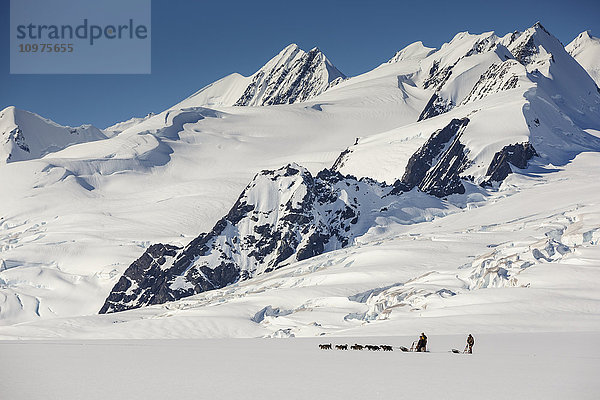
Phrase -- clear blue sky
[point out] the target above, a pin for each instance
(197, 42)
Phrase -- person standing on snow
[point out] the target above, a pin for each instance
(422, 344)
(470, 343)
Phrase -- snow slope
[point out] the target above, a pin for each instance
(25, 135)
(502, 264)
(85, 213)
(585, 48)
(121, 126)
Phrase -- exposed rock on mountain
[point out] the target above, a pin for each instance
(435, 106)
(436, 166)
(517, 154)
(497, 78)
(143, 273)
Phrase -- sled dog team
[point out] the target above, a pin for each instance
(417, 346)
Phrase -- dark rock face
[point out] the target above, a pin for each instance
(482, 46)
(17, 135)
(437, 76)
(516, 154)
(435, 106)
(435, 168)
(144, 271)
(496, 79)
(524, 52)
(282, 216)
(341, 160)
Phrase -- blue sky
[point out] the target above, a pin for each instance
(197, 42)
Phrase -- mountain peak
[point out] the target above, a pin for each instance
(585, 49)
(290, 77)
(291, 46)
(538, 25)
(535, 45)
(586, 35)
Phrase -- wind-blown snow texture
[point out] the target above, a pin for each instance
(449, 190)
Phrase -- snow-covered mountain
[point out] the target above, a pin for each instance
(585, 48)
(531, 93)
(283, 216)
(404, 191)
(464, 72)
(291, 76)
(25, 135)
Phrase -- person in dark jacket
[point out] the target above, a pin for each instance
(470, 343)
(422, 344)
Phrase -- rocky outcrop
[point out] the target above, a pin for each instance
(525, 48)
(436, 167)
(516, 154)
(435, 106)
(438, 75)
(143, 273)
(498, 78)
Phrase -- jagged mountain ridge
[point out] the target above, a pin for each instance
(503, 59)
(293, 76)
(547, 94)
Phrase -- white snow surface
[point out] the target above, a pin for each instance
(523, 366)
(585, 48)
(121, 126)
(25, 135)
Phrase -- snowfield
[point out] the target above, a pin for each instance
(458, 194)
(503, 366)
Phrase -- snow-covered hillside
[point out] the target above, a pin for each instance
(121, 126)
(585, 48)
(477, 208)
(25, 135)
